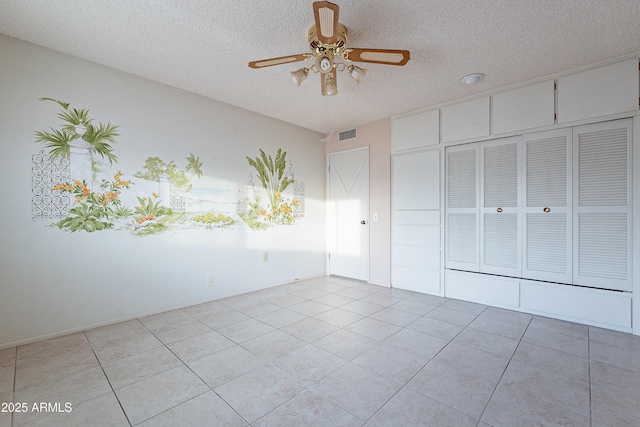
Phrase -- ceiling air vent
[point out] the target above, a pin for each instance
(348, 134)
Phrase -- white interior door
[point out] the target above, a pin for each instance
(602, 205)
(348, 214)
(500, 211)
(546, 191)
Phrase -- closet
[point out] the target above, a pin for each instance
(539, 220)
(532, 207)
(515, 208)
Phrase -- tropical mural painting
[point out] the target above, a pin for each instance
(76, 183)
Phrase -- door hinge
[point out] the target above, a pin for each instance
(555, 117)
(555, 86)
(329, 253)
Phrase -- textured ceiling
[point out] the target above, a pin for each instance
(203, 46)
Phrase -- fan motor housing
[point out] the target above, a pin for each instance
(316, 45)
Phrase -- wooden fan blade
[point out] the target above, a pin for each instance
(328, 88)
(326, 16)
(379, 56)
(280, 60)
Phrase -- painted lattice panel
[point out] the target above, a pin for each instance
(45, 174)
(298, 194)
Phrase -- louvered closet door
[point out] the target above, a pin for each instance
(500, 245)
(462, 225)
(547, 206)
(602, 205)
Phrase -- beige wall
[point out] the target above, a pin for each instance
(376, 136)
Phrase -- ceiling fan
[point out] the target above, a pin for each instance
(327, 40)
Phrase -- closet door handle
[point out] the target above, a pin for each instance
(499, 210)
(547, 210)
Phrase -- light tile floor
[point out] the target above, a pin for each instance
(328, 352)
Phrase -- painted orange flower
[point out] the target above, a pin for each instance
(61, 187)
(285, 209)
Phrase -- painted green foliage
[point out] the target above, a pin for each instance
(271, 172)
(78, 125)
(94, 210)
(155, 166)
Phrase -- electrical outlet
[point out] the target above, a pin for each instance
(265, 256)
(209, 281)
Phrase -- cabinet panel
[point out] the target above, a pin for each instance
(591, 306)
(462, 178)
(465, 120)
(428, 282)
(500, 174)
(603, 171)
(547, 247)
(416, 217)
(605, 90)
(500, 245)
(415, 131)
(483, 289)
(547, 166)
(416, 180)
(523, 108)
(411, 234)
(462, 241)
(602, 247)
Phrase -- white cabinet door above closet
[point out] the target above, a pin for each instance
(547, 206)
(610, 89)
(465, 120)
(602, 208)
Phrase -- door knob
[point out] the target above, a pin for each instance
(363, 222)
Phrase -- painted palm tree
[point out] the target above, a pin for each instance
(78, 125)
(194, 165)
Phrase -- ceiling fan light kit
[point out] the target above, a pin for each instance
(327, 40)
(300, 75)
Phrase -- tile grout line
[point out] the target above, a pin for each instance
(203, 381)
(505, 370)
(107, 378)
(15, 376)
(589, 364)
